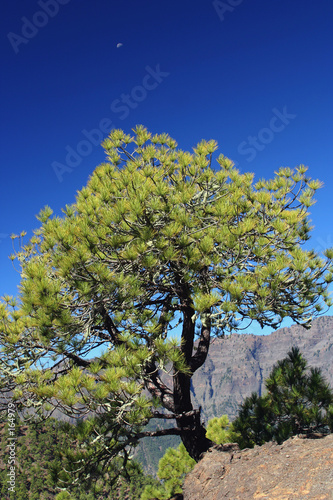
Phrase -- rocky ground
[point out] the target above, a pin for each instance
(300, 468)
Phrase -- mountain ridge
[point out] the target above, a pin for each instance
(238, 365)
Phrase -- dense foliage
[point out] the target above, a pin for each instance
(298, 401)
(219, 430)
(159, 241)
(38, 453)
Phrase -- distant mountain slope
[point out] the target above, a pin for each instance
(239, 364)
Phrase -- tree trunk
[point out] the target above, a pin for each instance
(193, 433)
(195, 442)
(193, 436)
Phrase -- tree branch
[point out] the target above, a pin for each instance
(175, 431)
(78, 361)
(157, 414)
(200, 356)
(157, 388)
(110, 326)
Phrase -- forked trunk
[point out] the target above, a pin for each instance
(193, 433)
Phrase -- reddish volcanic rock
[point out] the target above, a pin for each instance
(298, 469)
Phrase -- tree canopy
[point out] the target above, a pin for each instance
(162, 248)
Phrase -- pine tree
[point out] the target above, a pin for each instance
(160, 240)
(298, 401)
(253, 424)
(172, 469)
(219, 430)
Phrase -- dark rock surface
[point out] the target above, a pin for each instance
(298, 469)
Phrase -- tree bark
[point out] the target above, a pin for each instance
(193, 433)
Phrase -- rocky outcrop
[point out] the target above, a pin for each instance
(298, 469)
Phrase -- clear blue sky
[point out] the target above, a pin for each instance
(256, 75)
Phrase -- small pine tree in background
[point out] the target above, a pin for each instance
(219, 430)
(172, 468)
(298, 401)
(254, 422)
